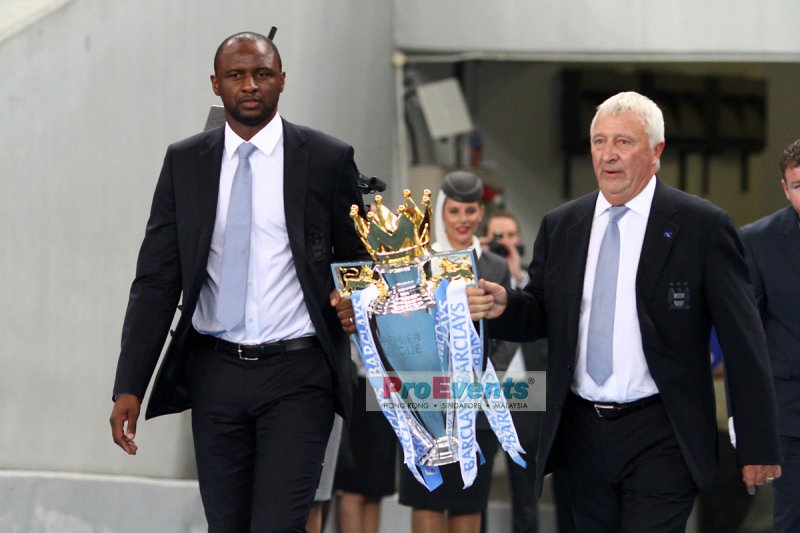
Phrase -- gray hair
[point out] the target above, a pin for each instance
(642, 106)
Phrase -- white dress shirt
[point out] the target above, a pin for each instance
(630, 379)
(274, 305)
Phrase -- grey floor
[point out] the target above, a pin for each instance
(57, 502)
(396, 518)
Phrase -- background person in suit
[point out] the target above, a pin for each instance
(264, 370)
(630, 403)
(772, 250)
(318, 514)
(365, 472)
(503, 238)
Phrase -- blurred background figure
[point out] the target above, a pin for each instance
(319, 510)
(366, 469)
(772, 250)
(503, 238)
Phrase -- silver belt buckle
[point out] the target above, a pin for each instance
(600, 408)
(243, 358)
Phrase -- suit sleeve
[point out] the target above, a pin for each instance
(154, 293)
(347, 246)
(755, 274)
(502, 352)
(734, 313)
(525, 318)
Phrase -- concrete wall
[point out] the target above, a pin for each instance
(48, 502)
(91, 96)
(712, 28)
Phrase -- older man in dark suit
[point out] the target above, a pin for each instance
(772, 250)
(245, 222)
(626, 285)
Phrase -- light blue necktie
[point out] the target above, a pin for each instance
(600, 343)
(236, 247)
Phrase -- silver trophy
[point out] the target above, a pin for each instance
(403, 331)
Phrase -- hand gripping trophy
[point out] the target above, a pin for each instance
(423, 355)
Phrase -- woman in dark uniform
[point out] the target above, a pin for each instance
(450, 507)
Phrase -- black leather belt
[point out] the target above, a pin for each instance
(254, 352)
(613, 411)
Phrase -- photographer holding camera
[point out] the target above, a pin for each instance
(502, 238)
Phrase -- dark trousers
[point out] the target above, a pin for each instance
(786, 489)
(524, 501)
(260, 429)
(724, 507)
(565, 523)
(626, 474)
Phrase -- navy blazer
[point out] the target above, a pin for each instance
(772, 250)
(320, 185)
(689, 244)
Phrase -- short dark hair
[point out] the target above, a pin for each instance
(247, 36)
(790, 157)
(504, 214)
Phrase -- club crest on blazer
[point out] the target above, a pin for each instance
(678, 296)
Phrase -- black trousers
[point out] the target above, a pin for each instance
(725, 505)
(627, 474)
(787, 488)
(260, 429)
(524, 500)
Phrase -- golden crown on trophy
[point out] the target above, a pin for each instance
(396, 239)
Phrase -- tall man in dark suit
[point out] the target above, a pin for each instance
(257, 353)
(772, 250)
(630, 402)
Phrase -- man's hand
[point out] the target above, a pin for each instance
(344, 311)
(126, 410)
(486, 300)
(756, 475)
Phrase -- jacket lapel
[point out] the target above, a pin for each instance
(790, 236)
(295, 185)
(209, 162)
(578, 234)
(660, 234)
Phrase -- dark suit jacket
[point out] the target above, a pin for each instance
(320, 185)
(494, 268)
(772, 250)
(689, 244)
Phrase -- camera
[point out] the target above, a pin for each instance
(497, 247)
(501, 249)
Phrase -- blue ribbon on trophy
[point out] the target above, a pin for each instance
(412, 317)
(414, 440)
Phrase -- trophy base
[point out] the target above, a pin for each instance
(443, 452)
